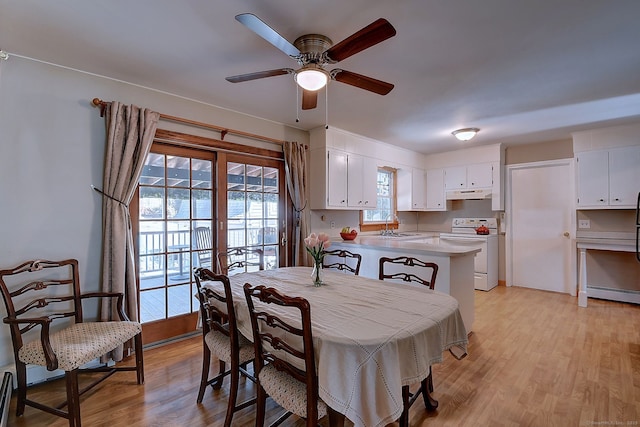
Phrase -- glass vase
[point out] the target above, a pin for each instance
(316, 274)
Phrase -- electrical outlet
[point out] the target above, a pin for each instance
(584, 223)
(333, 224)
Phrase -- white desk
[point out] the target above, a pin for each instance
(371, 337)
(621, 242)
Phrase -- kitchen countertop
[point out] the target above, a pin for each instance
(424, 242)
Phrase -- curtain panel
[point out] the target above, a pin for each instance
(130, 133)
(296, 170)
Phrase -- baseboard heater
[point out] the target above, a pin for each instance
(5, 398)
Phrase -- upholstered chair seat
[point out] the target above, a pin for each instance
(290, 393)
(80, 343)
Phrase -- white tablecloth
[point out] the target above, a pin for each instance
(370, 337)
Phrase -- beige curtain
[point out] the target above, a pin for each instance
(130, 132)
(295, 163)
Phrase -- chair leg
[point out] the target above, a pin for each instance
(429, 402)
(404, 418)
(204, 379)
(21, 378)
(261, 403)
(73, 398)
(139, 359)
(217, 385)
(233, 394)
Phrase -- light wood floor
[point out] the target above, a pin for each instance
(535, 359)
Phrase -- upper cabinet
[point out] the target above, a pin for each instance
(342, 180)
(411, 190)
(478, 175)
(436, 200)
(608, 179)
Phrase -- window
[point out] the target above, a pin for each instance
(175, 200)
(254, 206)
(385, 212)
(191, 203)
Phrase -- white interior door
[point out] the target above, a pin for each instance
(541, 225)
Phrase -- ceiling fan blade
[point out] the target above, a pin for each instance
(363, 82)
(370, 35)
(309, 99)
(256, 25)
(259, 75)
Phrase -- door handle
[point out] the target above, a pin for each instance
(566, 234)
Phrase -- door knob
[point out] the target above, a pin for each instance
(566, 234)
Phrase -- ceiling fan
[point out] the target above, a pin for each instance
(313, 52)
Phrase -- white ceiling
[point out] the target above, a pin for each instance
(520, 70)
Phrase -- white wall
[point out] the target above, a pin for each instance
(52, 150)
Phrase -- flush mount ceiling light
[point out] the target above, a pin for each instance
(312, 77)
(465, 134)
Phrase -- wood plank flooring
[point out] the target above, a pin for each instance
(535, 359)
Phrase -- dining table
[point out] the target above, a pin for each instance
(371, 337)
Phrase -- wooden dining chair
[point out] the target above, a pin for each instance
(405, 273)
(410, 266)
(45, 315)
(220, 336)
(285, 362)
(342, 260)
(240, 259)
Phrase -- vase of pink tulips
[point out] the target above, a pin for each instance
(315, 245)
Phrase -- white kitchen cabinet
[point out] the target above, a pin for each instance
(624, 176)
(436, 200)
(455, 178)
(480, 175)
(608, 179)
(342, 180)
(476, 175)
(411, 190)
(337, 179)
(362, 175)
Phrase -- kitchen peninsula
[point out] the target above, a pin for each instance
(455, 263)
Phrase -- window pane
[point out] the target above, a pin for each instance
(271, 206)
(254, 178)
(235, 204)
(151, 203)
(152, 305)
(178, 203)
(270, 180)
(235, 176)
(202, 202)
(179, 299)
(200, 173)
(177, 171)
(235, 233)
(255, 205)
(153, 170)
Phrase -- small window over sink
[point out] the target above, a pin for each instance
(384, 216)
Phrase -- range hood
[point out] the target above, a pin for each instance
(470, 194)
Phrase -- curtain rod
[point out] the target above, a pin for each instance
(97, 102)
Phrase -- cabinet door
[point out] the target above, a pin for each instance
(435, 190)
(337, 179)
(355, 166)
(624, 176)
(593, 178)
(480, 175)
(455, 178)
(418, 189)
(370, 183)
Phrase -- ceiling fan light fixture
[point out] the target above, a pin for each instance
(465, 134)
(312, 78)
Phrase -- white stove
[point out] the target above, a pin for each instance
(463, 232)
